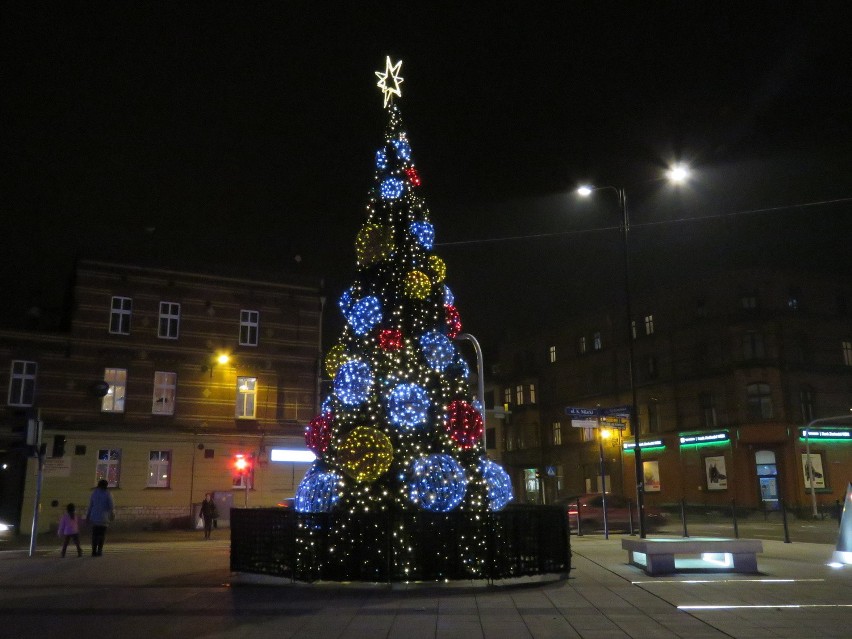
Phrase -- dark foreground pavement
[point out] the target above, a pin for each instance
(173, 584)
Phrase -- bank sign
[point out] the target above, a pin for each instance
(704, 438)
(843, 434)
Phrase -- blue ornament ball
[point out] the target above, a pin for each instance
(437, 483)
(437, 349)
(345, 302)
(449, 298)
(499, 484)
(408, 406)
(403, 148)
(391, 188)
(381, 160)
(318, 491)
(353, 382)
(364, 314)
(424, 232)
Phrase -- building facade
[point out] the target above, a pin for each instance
(729, 371)
(169, 385)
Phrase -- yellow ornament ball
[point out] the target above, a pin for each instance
(366, 454)
(417, 285)
(374, 243)
(439, 268)
(334, 359)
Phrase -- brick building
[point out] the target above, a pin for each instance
(729, 370)
(158, 382)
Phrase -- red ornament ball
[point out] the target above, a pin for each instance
(390, 339)
(464, 423)
(413, 176)
(318, 433)
(453, 320)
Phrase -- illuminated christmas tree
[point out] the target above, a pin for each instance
(401, 431)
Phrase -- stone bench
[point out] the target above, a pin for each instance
(658, 556)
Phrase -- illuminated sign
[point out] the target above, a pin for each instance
(291, 455)
(704, 438)
(651, 443)
(844, 434)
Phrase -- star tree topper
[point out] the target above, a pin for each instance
(392, 72)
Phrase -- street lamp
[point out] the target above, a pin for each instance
(603, 433)
(676, 174)
(809, 469)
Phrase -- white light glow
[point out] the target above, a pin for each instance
(678, 174)
(584, 191)
(291, 455)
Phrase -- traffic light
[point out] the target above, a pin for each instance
(242, 465)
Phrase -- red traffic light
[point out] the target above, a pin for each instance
(242, 463)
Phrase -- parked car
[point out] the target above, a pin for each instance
(617, 513)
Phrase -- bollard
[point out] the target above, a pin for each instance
(734, 517)
(683, 516)
(784, 519)
(630, 516)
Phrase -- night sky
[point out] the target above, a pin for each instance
(242, 136)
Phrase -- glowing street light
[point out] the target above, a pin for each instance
(677, 174)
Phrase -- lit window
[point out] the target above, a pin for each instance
(159, 468)
(581, 346)
(597, 341)
(532, 393)
(22, 383)
(108, 466)
(552, 354)
(649, 325)
(507, 396)
(246, 395)
(633, 328)
(519, 394)
(119, 315)
(165, 384)
(589, 434)
(846, 347)
(557, 433)
(113, 401)
(169, 320)
(759, 401)
(249, 322)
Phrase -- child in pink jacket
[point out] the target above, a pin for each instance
(69, 528)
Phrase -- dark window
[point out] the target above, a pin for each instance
(759, 401)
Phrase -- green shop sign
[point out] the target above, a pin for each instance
(649, 445)
(826, 434)
(705, 439)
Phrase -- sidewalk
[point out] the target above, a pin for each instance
(177, 583)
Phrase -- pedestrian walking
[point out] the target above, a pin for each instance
(208, 514)
(101, 512)
(69, 529)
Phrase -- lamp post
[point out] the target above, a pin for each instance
(809, 469)
(676, 174)
(603, 433)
